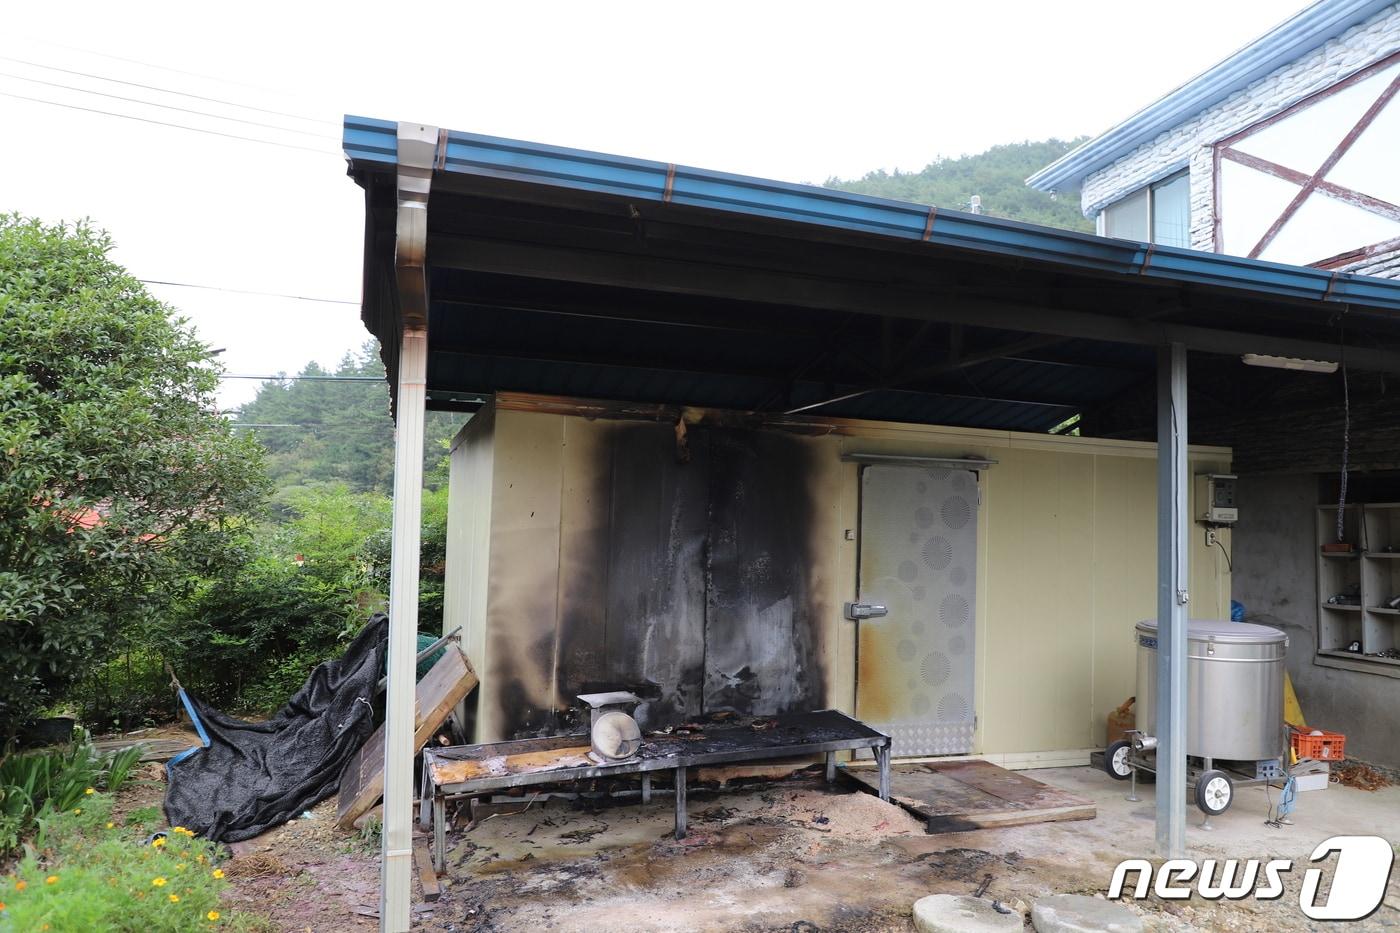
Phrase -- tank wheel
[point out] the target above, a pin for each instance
(1214, 792)
(1115, 760)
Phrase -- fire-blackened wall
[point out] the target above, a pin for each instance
(690, 566)
(598, 545)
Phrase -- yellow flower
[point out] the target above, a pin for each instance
(21, 885)
(158, 841)
(89, 791)
(199, 858)
(158, 882)
(218, 873)
(51, 879)
(111, 825)
(212, 915)
(174, 898)
(77, 810)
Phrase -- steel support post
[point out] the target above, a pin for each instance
(1172, 599)
(397, 839)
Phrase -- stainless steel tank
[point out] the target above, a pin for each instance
(1234, 688)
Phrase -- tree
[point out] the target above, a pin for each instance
(119, 486)
(332, 432)
(997, 176)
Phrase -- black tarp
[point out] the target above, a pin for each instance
(252, 776)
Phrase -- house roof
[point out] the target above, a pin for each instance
(561, 271)
(1285, 43)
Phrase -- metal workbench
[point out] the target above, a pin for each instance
(467, 770)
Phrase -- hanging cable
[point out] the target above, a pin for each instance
(153, 65)
(151, 103)
(1346, 433)
(178, 126)
(163, 90)
(245, 291)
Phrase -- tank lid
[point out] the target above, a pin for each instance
(1223, 631)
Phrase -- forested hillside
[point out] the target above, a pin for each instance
(998, 176)
(324, 431)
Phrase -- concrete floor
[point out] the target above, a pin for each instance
(803, 856)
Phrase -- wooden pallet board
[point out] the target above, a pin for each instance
(960, 796)
(151, 749)
(441, 689)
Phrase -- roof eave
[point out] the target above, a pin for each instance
(1290, 40)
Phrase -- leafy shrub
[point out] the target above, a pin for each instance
(118, 483)
(96, 875)
(35, 785)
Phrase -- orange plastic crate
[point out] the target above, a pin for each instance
(1329, 746)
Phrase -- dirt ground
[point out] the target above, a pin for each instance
(796, 855)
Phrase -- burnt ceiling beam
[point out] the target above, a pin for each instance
(651, 315)
(832, 294)
(470, 364)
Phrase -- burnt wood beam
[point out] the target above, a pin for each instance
(750, 323)
(463, 362)
(812, 291)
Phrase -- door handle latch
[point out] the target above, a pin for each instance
(857, 611)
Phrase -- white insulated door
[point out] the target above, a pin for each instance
(918, 559)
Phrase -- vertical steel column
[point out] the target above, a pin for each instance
(1172, 599)
(396, 877)
(417, 148)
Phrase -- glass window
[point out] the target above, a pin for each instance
(1159, 213)
(1127, 219)
(1171, 212)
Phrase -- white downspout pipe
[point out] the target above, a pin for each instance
(416, 149)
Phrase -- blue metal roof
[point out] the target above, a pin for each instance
(1285, 43)
(368, 140)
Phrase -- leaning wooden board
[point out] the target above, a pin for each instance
(959, 796)
(442, 688)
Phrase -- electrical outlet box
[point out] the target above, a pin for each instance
(1212, 537)
(1215, 498)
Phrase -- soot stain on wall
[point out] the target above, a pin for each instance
(765, 617)
(690, 581)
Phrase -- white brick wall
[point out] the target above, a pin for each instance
(1190, 143)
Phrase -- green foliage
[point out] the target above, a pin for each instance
(998, 176)
(118, 485)
(34, 785)
(94, 875)
(340, 433)
(249, 637)
(120, 766)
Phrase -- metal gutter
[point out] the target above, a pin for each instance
(1285, 43)
(370, 142)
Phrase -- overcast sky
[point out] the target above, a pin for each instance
(798, 91)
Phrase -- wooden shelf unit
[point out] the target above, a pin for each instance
(1371, 570)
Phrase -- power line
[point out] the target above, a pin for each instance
(164, 90)
(178, 71)
(151, 103)
(178, 126)
(378, 379)
(245, 291)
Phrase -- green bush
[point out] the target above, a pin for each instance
(35, 785)
(119, 485)
(91, 874)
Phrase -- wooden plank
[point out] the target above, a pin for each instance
(441, 689)
(990, 779)
(432, 890)
(151, 749)
(775, 770)
(969, 795)
(457, 771)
